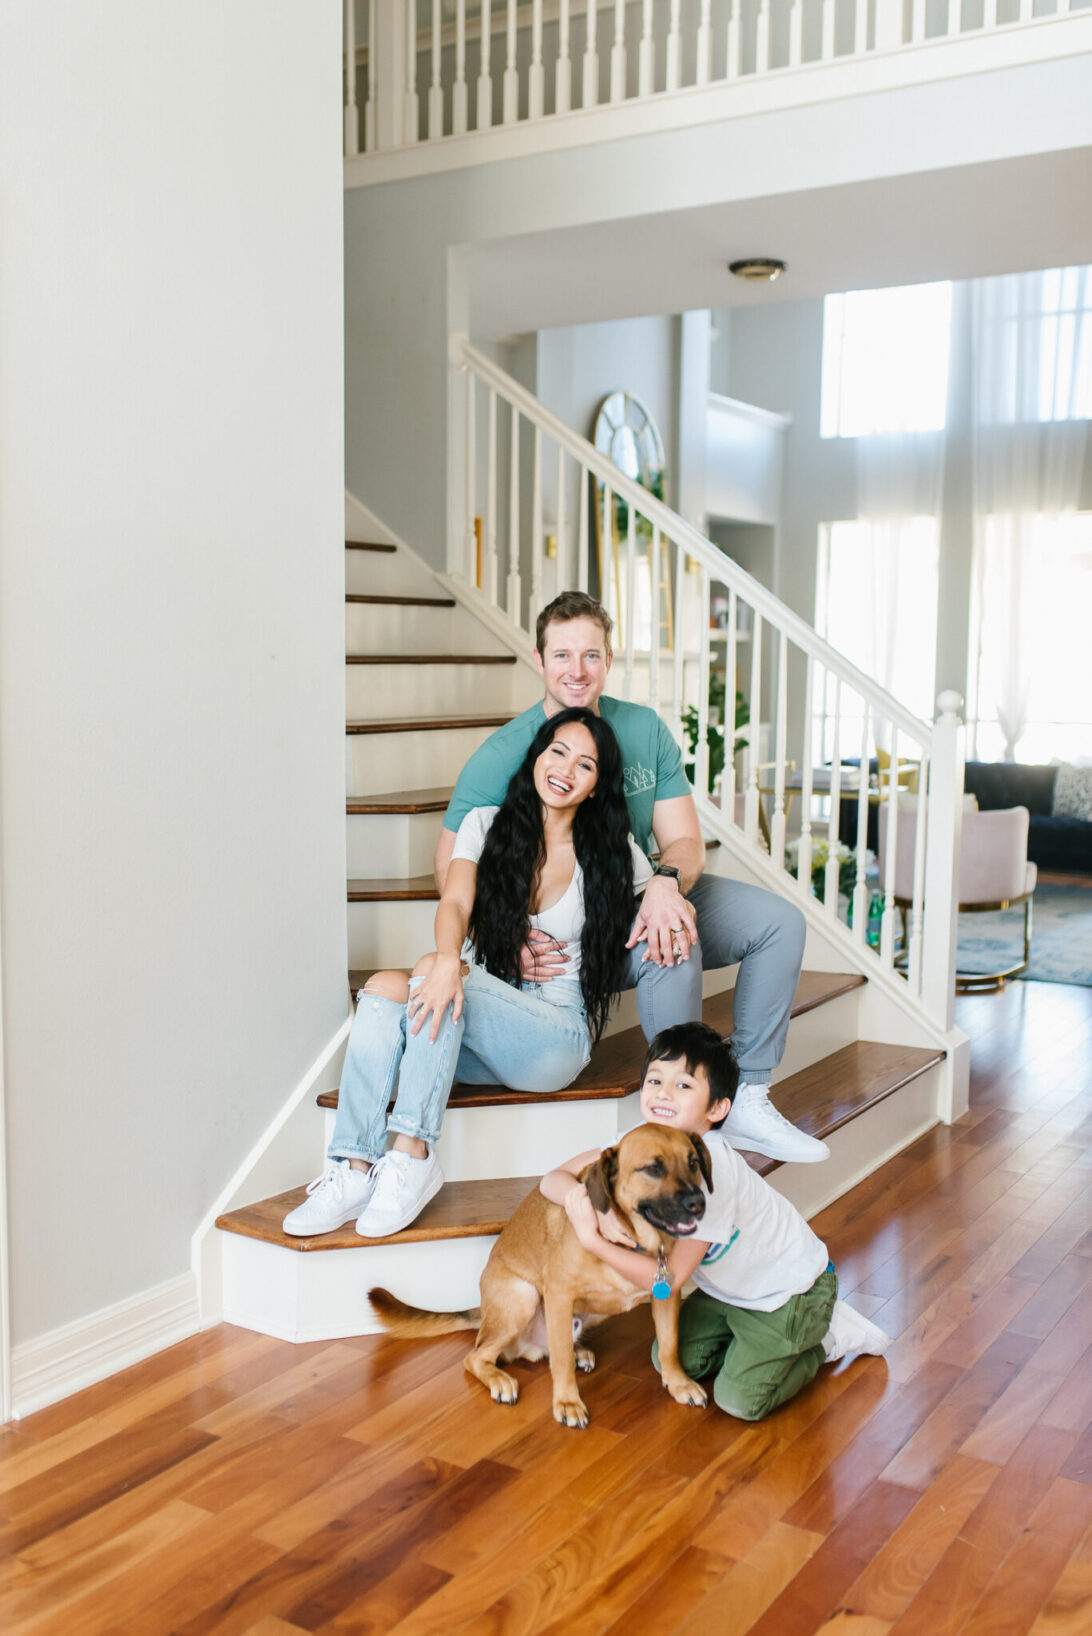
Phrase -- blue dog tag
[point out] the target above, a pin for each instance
(661, 1289)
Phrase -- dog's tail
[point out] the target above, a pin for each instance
(401, 1319)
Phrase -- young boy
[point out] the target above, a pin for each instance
(765, 1313)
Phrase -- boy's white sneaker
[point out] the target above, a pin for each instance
(849, 1332)
(335, 1197)
(403, 1186)
(755, 1125)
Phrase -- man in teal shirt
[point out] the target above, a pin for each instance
(688, 921)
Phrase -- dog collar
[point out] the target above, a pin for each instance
(661, 1289)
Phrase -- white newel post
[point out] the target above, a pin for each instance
(945, 823)
(390, 72)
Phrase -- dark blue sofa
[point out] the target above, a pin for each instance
(1061, 844)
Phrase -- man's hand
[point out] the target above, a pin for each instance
(666, 921)
(541, 958)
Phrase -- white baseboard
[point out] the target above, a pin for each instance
(85, 1351)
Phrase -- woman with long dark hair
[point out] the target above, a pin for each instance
(556, 856)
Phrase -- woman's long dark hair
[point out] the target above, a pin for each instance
(512, 860)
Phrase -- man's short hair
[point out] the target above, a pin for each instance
(700, 1047)
(573, 605)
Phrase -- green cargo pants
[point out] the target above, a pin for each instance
(759, 1359)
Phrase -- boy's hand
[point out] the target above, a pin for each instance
(581, 1212)
(612, 1230)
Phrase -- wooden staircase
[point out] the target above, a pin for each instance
(866, 1097)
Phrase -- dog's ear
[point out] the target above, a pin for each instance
(704, 1160)
(600, 1180)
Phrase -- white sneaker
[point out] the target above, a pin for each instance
(335, 1197)
(755, 1124)
(403, 1186)
(849, 1332)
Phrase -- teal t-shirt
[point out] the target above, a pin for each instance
(651, 764)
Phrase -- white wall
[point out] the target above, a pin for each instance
(171, 710)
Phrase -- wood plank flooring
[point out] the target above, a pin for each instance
(235, 1484)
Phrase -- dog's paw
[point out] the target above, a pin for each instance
(571, 1412)
(585, 1359)
(502, 1388)
(688, 1391)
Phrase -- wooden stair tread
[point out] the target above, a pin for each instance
(413, 887)
(428, 724)
(434, 800)
(819, 1099)
(615, 1068)
(430, 658)
(368, 545)
(401, 601)
(459, 1210)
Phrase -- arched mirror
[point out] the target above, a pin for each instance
(626, 432)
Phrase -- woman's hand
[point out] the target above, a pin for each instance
(442, 987)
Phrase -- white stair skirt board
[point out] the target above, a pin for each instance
(386, 627)
(319, 1295)
(391, 845)
(78, 1354)
(412, 760)
(382, 692)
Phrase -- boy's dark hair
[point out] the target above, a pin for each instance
(572, 605)
(701, 1047)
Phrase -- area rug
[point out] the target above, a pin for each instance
(1061, 937)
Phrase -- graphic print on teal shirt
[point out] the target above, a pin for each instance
(717, 1252)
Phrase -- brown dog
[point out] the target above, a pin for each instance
(651, 1180)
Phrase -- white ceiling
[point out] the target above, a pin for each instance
(1007, 216)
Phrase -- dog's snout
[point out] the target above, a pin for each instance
(693, 1201)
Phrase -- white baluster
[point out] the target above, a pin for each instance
(705, 43)
(537, 547)
(564, 571)
(916, 940)
(1027, 9)
(917, 21)
(796, 33)
(989, 14)
(942, 861)
(515, 594)
(753, 797)
(889, 24)
(485, 71)
(606, 534)
(803, 866)
(472, 572)
(352, 113)
(762, 38)
(732, 64)
(618, 54)
(491, 502)
(674, 43)
(563, 79)
(860, 888)
(654, 634)
(591, 58)
(830, 877)
(436, 90)
(777, 822)
(678, 640)
(369, 109)
(410, 115)
(887, 926)
(582, 542)
(860, 28)
(826, 49)
(458, 90)
(387, 44)
(511, 73)
(646, 59)
(701, 758)
(536, 78)
(630, 626)
(728, 781)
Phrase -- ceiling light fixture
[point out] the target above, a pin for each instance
(759, 269)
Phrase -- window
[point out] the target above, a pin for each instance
(1031, 682)
(885, 360)
(1037, 346)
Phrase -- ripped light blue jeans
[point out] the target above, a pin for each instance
(505, 1036)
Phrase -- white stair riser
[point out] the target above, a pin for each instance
(378, 627)
(388, 933)
(387, 573)
(378, 763)
(379, 692)
(390, 845)
(320, 1295)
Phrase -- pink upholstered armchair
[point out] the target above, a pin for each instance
(994, 873)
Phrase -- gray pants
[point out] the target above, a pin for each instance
(764, 933)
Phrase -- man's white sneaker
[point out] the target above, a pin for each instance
(335, 1197)
(755, 1125)
(849, 1332)
(403, 1186)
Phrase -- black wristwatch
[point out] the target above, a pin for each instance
(667, 869)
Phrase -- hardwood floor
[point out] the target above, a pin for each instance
(238, 1484)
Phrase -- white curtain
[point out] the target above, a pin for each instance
(1030, 402)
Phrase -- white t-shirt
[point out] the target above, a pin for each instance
(761, 1250)
(563, 919)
